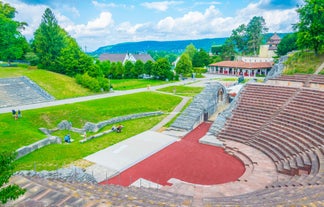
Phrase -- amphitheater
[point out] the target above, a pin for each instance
(275, 129)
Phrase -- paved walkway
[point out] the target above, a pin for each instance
(118, 157)
(320, 68)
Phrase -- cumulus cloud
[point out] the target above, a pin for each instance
(195, 24)
(160, 5)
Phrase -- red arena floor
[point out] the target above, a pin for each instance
(186, 160)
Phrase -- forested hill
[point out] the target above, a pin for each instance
(170, 46)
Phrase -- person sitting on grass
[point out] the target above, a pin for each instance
(119, 128)
(67, 138)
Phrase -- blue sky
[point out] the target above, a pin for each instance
(96, 23)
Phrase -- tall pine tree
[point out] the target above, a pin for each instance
(49, 41)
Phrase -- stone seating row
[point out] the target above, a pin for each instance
(58, 193)
(289, 196)
(296, 77)
(287, 135)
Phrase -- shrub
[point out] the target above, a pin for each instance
(88, 82)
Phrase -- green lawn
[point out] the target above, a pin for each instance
(127, 84)
(182, 90)
(17, 133)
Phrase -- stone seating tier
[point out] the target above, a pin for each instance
(285, 123)
(57, 193)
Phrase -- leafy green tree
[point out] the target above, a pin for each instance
(255, 31)
(184, 65)
(190, 50)
(119, 70)
(49, 40)
(310, 28)
(138, 68)
(162, 68)
(148, 67)
(288, 43)
(228, 50)
(8, 192)
(200, 59)
(32, 58)
(239, 37)
(72, 60)
(13, 44)
(128, 69)
(105, 67)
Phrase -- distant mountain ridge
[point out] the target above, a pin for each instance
(176, 46)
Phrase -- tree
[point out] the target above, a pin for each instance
(254, 32)
(162, 68)
(148, 67)
(190, 50)
(228, 50)
(184, 65)
(239, 37)
(72, 60)
(310, 28)
(288, 43)
(13, 44)
(200, 59)
(49, 40)
(138, 68)
(9, 192)
(128, 68)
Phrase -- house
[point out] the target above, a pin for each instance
(125, 57)
(250, 69)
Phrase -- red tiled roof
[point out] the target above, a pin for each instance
(241, 64)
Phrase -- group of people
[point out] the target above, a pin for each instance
(16, 114)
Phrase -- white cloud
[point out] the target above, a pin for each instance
(160, 5)
(196, 24)
(104, 20)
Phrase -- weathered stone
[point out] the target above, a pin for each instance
(64, 125)
(39, 144)
(203, 103)
(71, 174)
(90, 127)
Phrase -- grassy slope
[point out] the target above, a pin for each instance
(59, 86)
(303, 62)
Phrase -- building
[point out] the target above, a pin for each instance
(269, 50)
(250, 69)
(125, 57)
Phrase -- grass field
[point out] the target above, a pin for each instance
(24, 131)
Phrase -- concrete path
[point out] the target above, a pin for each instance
(117, 158)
